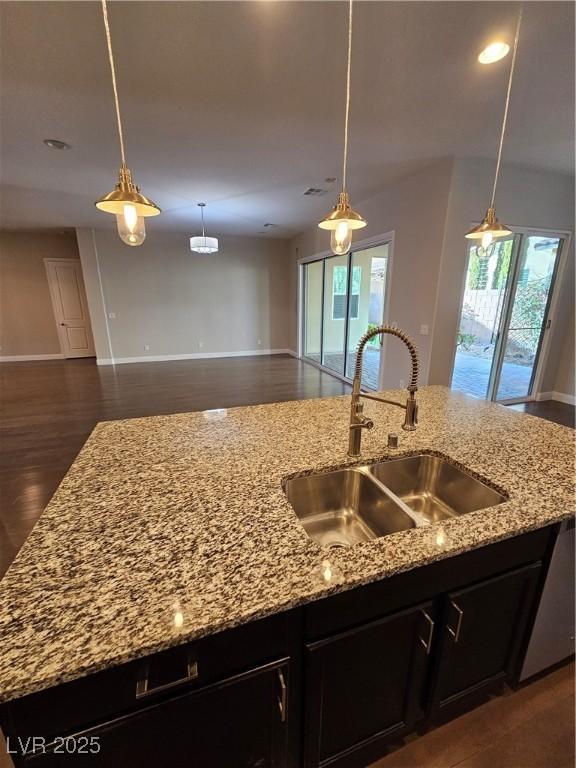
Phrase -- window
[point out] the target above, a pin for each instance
(339, 290)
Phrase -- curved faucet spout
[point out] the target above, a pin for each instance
(357, 420)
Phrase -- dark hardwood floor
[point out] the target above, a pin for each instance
(48, 409)
(532, 727)
(552, 410)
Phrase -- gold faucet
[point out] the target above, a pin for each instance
(358, 421)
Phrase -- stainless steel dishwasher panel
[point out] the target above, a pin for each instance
(552, 638)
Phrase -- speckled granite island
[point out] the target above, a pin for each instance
(167, 530)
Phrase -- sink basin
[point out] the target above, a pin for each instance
(338, 509)
(435, 488)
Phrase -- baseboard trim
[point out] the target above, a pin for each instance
(191, 356)
(561, 397)
(25, 358)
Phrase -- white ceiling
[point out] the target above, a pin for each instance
(240, 104)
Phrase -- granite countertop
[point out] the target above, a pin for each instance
(170, 528)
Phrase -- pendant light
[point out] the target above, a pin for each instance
(490, 228)
(344, 219)
(201, 243)
(125, 201)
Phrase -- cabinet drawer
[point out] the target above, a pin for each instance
(131, 686)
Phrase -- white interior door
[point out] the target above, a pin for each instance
(70, 307)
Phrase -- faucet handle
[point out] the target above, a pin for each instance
(411, 418)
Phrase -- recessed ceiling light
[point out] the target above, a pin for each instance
(493, 52)
(56, 144)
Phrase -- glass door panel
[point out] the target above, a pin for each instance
(366, 310)
(335, 308)
(313, 281)
(525, 326)
(487, 282)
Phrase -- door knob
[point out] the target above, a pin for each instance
(62, 323)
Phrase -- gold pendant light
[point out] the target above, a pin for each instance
(125, 201)
(490, 228)
(344, 219)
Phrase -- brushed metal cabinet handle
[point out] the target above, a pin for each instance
(456, 634)
(427, 643)
(282, 701)
(143, 689)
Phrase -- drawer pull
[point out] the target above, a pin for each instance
(456, 634)
(427, 643)
(282, 701)
(142, 688)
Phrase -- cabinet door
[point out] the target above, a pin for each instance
(240, 723)
(482, 630)
(365, 685)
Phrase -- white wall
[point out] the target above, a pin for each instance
(181, 303)
(415, 209)
(27, 324)
(525, 198)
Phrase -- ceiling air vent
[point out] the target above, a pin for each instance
(314, 192)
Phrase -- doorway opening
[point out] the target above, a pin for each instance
(343, 297)
(505, 315)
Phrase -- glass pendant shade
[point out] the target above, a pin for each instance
(341, 222)
(341, 239)
(489, 229)
(131, 227)
(202, 244)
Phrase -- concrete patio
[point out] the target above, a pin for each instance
(370, 368)
(471, 375)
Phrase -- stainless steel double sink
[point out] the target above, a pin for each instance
(347, 506)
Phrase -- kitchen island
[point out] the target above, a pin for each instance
(170, 530)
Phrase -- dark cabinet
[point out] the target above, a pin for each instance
(481, 632)
(240, 722)
(364, 685)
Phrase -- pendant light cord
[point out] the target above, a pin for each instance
(202, 215)
(507, 105)
(114, 86)
(347, 114)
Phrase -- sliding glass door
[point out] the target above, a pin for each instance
(343, 297)
(487, 283)
(366, 311)
(334, 312)
(504, 316)
(313, 292)
(524, 327)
